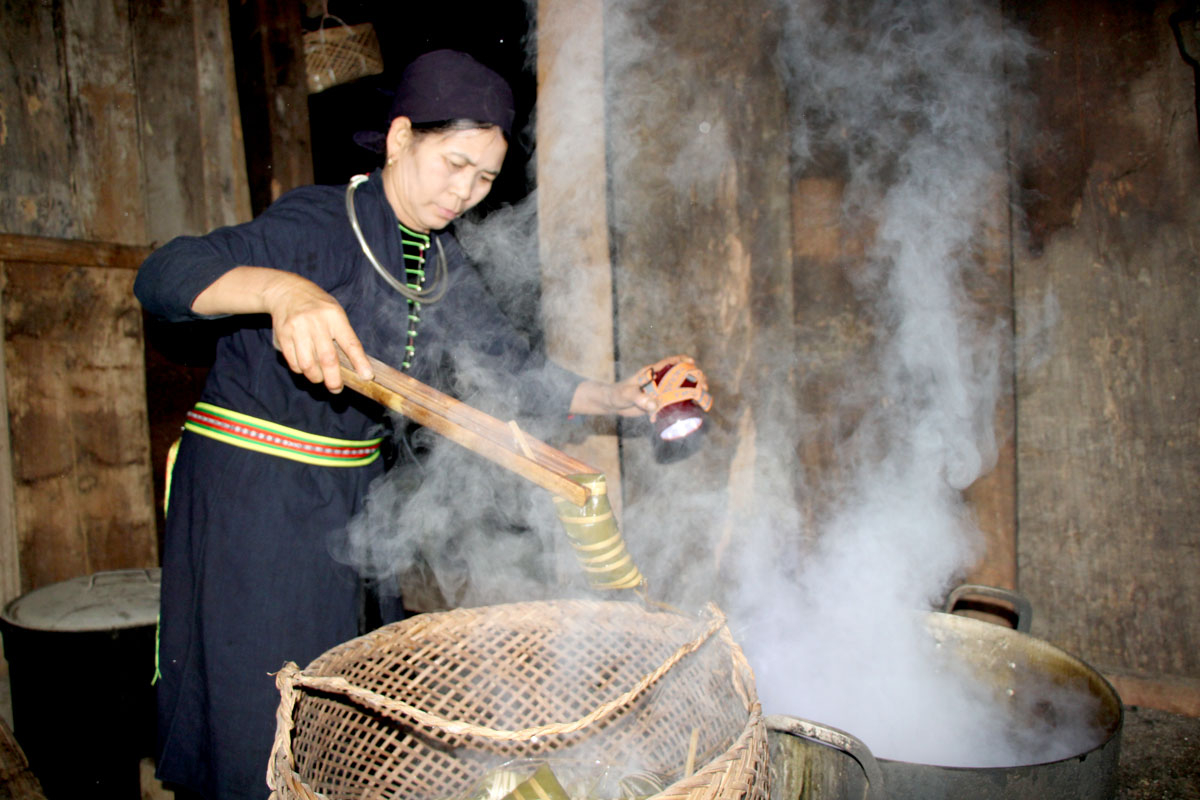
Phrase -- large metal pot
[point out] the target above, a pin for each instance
(817, 762)
(81, 667)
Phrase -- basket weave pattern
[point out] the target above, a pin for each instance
(340, 54)
(423, 708)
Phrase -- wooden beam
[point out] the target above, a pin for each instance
(1177, 695)
(71, 252)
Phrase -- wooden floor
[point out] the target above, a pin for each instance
(1160, 756)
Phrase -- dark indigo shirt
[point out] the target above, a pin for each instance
(307, 232)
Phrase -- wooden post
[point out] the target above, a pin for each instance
(577, 306)
(224, 187)
(700, 219)
(10, 551)
(269, 50)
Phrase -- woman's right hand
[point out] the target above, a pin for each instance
(307, 321)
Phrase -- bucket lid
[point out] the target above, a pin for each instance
(104, 601)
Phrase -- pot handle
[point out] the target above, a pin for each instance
(838, 740)
(1022, 608)
(151, 575)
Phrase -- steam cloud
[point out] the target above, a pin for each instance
(910, 96)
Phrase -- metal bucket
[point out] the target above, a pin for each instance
(812, 761)
(81, 660)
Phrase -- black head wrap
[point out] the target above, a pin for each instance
(447, 85)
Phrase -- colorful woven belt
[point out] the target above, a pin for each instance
(252, 433)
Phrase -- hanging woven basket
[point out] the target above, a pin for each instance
(428, 708)
(340, 54)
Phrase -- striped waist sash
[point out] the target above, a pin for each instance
(252, 433)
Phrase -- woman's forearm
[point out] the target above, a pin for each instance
(624, 399)
(307, 321)
(243, 290)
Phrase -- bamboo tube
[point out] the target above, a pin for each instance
(597, 541)
(542, 785)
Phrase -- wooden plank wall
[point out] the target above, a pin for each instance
(81, 494)
(1107, 292)
(119, 126)
(835, 340)
(118, 120)
(1092, 510)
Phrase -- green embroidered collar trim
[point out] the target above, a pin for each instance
(421, 238)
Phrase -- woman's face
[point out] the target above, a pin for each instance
(430, 179)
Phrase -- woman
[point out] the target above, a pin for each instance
(276, 457)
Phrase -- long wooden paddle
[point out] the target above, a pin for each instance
(501, 442)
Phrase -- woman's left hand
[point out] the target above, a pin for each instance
(625, 398)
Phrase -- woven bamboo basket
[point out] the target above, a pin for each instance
(340, 54)
(422, 709)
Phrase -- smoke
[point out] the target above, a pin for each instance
(905, 101)
(446, 527)
(908, 98)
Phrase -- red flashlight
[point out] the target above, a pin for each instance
(681, 389)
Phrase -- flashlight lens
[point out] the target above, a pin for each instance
(681, 428)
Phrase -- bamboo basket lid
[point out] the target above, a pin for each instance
(422, 709)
